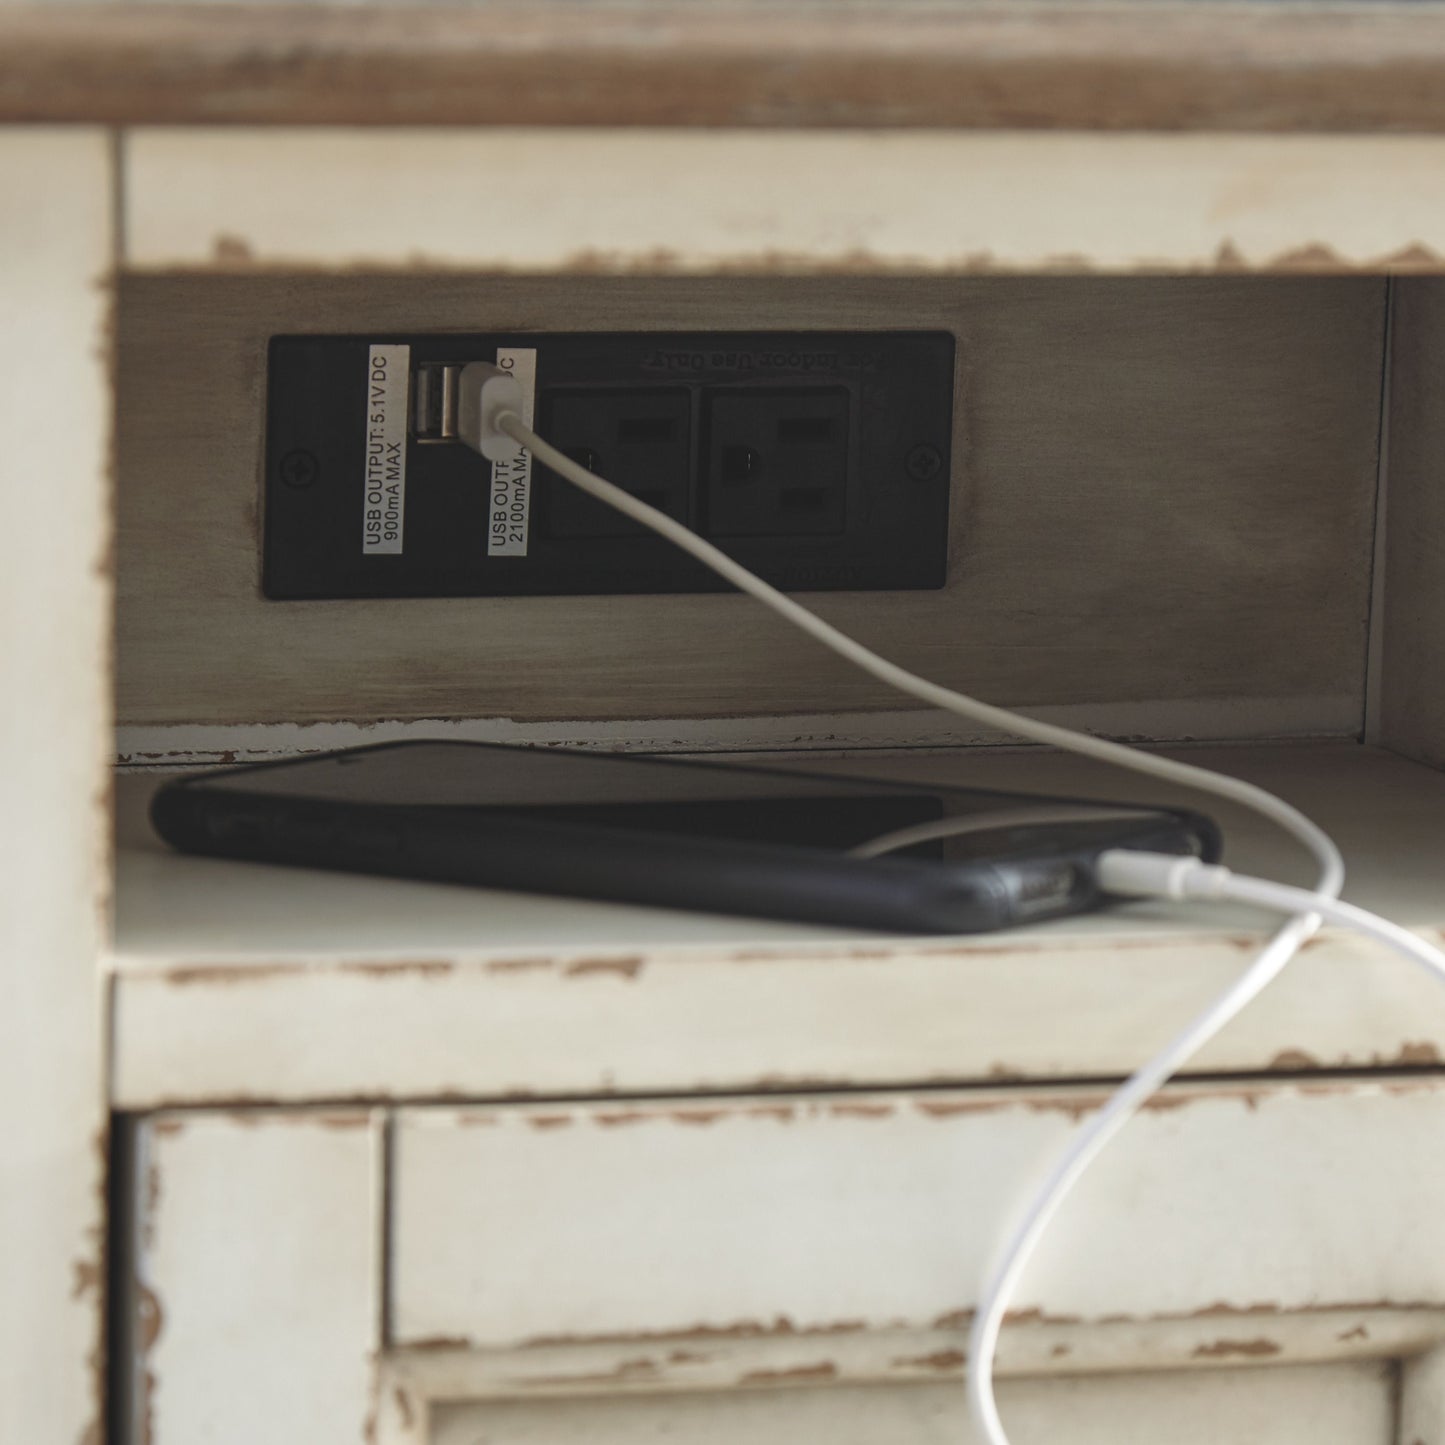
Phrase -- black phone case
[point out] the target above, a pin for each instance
(508, 848)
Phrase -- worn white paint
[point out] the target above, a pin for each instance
(180, 745)
(1422, 1399)
(675, 201)
(256, 1278)
(235, 980)
(260, 1235)
(1320, 1405)
(55, 252)
(810, 1213)
(1032, 1348)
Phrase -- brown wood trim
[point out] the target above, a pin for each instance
(1201, 64)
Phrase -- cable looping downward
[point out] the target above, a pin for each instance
(1096, 1133)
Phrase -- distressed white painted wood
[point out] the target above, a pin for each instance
(823, 1214)
(1034, 1347)
(235, 980)
(255, 1289)
(1319, 1405)
(600, 201)
(55, 252)
(189, 745)
(1422, 1399)
(260, 1235)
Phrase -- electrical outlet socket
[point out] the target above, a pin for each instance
(819, 460)
(777, 462)
(641, 440)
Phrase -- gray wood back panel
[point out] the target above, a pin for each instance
(1164, 492)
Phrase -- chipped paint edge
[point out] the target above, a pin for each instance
(779, 1354)
(182, 745)
(1127, 203)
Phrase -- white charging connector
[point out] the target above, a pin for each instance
(1127, 874)
(486, 393)
(490, 423)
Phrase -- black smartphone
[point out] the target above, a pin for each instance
(762, 841)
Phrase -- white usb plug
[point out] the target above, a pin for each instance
(484, 393)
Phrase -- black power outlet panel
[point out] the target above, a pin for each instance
(819, 460)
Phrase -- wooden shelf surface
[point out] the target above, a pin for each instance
(245, 982)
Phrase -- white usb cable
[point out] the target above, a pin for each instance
(490, 421)
(1128, 874)
(489, 411)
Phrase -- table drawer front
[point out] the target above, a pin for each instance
(846, 1212)
(1348, 1404)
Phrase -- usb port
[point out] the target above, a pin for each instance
(434, 404)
